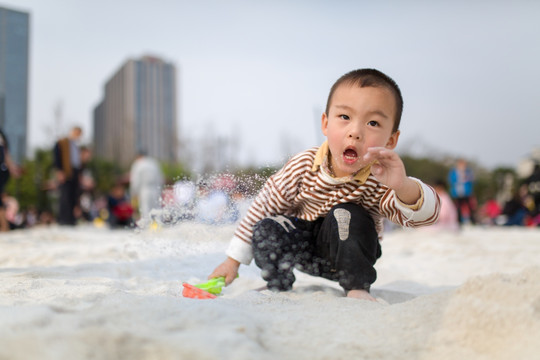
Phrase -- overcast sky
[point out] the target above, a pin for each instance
(469, 70)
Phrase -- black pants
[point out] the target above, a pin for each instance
(467, 202)
(343, 246)
(69, 199)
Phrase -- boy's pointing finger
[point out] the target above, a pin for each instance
(374, 153)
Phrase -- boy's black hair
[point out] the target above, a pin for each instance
(370, 78)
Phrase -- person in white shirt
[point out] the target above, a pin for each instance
(146, 182)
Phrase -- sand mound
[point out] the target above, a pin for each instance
(492, 317)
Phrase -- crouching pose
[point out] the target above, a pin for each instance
(323, 212)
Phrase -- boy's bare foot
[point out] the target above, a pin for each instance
(360, 294)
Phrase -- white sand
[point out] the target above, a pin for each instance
(87, 293)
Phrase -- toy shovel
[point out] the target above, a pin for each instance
(206, 290)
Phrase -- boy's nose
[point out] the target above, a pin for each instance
(355, 132)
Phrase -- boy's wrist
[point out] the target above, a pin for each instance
(233, 262)
(409, 193)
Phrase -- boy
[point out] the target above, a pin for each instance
(322, 213)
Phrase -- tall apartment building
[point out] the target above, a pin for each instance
(138, 113)
(14, 67)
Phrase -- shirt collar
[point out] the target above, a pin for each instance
(322, 154)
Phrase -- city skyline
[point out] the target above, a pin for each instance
(261, 71)
(14, 66)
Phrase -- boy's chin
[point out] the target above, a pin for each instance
(350, 170)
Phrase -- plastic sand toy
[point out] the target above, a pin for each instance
(193, 292)
(206, 290)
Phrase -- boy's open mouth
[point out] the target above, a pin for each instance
(350, 156)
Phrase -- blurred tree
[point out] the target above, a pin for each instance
(105, 173)
(427, 169)
(174, 172)
(30, 188)
(499, 183)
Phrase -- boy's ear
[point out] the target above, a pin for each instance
(392, 141)
(324, 123)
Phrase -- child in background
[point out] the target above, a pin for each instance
(322, 213)
(461, 180)
(119, 207)
(448, 219)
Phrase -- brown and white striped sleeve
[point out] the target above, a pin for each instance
(426, 212)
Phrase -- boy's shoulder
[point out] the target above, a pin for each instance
(307, 154)
(302, 161)
(304, 158)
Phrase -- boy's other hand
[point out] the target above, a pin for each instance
(388, 167)
(228, 268)
(390, 171)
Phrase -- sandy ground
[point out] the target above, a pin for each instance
(89, 293)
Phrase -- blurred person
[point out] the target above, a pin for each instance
(31, 216)
(533, 189)
(7, 168)
(87, 185)
(461, 179)
(99, 208)
(67, 162)
(119, 207)
(13, 217)
(491, 211)
(146, 182)
(185, 198)
(45, 218)
(448, 219)
(515, 212)
(177, 204)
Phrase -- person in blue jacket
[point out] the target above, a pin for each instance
(461, 180)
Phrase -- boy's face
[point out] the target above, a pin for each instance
(358, 118)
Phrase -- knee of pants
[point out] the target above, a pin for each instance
(350, 219)
(352, 229)
(269, 231)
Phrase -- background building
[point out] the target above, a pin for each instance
(14, 60)
(138, 113)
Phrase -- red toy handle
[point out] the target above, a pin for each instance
(193, 292)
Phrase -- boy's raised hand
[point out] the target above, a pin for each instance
(228, 269)
(388, 168)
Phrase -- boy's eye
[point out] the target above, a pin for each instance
(373, 123)
(344, 117)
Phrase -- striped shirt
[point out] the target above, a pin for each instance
(304, 188)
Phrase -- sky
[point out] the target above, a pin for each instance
(259, 72)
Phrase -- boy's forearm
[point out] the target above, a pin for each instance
(409, 193)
